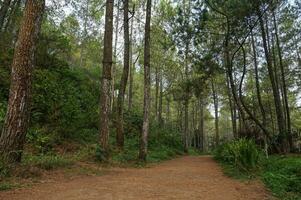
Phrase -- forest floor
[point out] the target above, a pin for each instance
(189, 177)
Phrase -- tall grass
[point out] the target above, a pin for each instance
(243, 154)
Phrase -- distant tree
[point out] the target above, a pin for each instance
(124, 77)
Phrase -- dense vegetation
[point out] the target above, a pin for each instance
(243, 159)
(126, 81)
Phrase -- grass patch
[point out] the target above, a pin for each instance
(8, 185)
(47, 162)
(232, 171)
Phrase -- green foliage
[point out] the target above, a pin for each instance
(65, 106)
(47, 162)
(243, 154)
(100, 154)
(130, 152)
(164, 143)
(280, 173)
(6, 186)
(4, 169)
(133, 121)
(283, 176)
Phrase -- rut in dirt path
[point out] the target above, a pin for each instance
(187, 178)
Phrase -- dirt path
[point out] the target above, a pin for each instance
(187, 178)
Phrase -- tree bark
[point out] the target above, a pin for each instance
(124, 77)
(277, 101)
(146, 104)
(105, 92)
(18, 112)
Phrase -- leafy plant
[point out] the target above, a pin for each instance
(100, 154)
(242, 153)
(283, 176)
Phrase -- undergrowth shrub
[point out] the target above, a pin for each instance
(100, 154)
(4, 169)
(47, 162)
(243, 154)
(283, 176)
(164, 143)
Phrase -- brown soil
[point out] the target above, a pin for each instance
(187, 178)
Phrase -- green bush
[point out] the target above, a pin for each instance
(283, 176)
(243, 154)
(64, 101)
(100, 154)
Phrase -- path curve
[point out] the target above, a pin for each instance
(186, 178)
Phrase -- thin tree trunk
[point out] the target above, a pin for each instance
(160, 106)
(82, 45)
(229, 66)
(192, 137)
(124, 77)
(232, 109)
(105, 92)
(186, 131)
(113, 68)
(201, 125)
(258, 90)
(168, 109)
(215, 102)
(146, 105)
(132, 64)
(186, 101)
(288, 120)
(277, 101)
(257, 122)
(156, 92)
(276, 72)
(18, 112)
